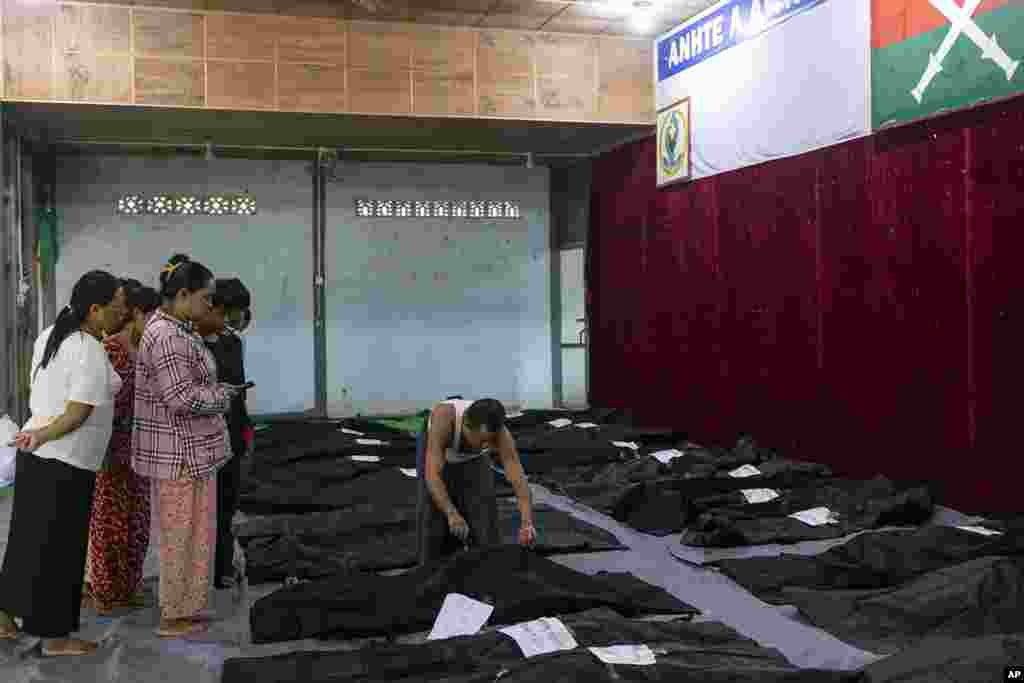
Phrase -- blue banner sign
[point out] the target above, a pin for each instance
(730, 23)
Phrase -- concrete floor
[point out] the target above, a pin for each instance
(131, 652)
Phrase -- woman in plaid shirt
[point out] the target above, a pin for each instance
(179, 440)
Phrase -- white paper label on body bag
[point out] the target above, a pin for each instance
(759, 495)
(745, 471)
(981, 530)
(815, 516)
(371, 442)
(460, 615)
(667, 456)
(636, 655)
(409, 472)
(351, 431)
(586, 425)
(561, 422)
(365, 458)
(541, 636)
(626, 444)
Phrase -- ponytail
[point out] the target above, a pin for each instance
(97, 287)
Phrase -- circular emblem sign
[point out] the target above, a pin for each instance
(672, 149)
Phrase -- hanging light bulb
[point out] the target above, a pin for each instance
(642, 16)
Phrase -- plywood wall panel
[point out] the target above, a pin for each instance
(240, 85)
(177, 35)
(94, 28)
(626, 81)
(443, 61)
(87, 77)
(28, 51)
(178, 83)
(240, 37)
(379, 92)
(505, 82)
(312, 88)
(72, 51)
(566, 70)
(379, 47)
(441, 94)
(93, 55)
(311, 41)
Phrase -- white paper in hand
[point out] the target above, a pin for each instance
(981, 530)
(626, 444)
(409, 472)
(8, 454)
(541, 636)
(637, 655)
(815, 516)
(745, 471)
(365, 458)
(586, 425)
(371, 442)
(667, 456)
(759, 495)
(460, 616)
(561, 422)
(351, 431)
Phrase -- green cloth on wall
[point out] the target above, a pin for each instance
(48, 243)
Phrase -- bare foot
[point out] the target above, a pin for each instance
(62, 647)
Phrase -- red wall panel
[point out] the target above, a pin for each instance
(859, 305)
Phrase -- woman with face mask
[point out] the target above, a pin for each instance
(220, 330)
(59, 452)
(179, 440)
(119, 531)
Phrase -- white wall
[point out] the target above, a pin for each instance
(424, 308)
(411, 316)
(574, 360)
(271, 252)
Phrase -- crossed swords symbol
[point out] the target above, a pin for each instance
(962, 22)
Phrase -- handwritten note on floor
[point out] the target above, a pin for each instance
(666, 457)
(541, 636)
(460, 615)
(815, 516)
(759, 495)
(745, 471)
(636, 655)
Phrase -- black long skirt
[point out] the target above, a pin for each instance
(41, 579)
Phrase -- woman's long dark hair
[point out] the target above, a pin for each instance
(95, 287)
(141, 298)
(180, 273)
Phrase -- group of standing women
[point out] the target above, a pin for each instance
(137, 410)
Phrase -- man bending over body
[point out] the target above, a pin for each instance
(456, 497)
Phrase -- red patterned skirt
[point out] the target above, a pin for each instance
(118, 534)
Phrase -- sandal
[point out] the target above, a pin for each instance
(135, 600)
(68, 647)
(179, 628)
(203, 616)
(8, 629)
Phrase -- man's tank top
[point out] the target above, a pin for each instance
(451, 453)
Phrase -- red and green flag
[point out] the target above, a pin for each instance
(929, 56)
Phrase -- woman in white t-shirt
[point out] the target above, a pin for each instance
(59, 451)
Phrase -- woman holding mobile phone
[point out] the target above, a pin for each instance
(179, 440)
